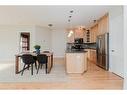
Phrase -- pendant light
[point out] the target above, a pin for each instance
(69, 20)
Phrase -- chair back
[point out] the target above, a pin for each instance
(42, 58)
(46, 51)
(27, 59)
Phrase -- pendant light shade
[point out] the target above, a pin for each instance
(70, 33)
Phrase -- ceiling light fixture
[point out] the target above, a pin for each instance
(70, 33)
(69, 20)
(94, 21)
(50, 25)
(71, 11)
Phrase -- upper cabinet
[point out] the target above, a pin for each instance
(89, 36)
(99, 28)
(79, 32)
(103, 24)
(93, 33)
(75, 33)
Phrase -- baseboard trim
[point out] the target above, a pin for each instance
(7, 61)
(58, 57)
(117, 75)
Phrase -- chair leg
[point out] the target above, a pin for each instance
(38, 67)
(31, 69)
(23, 69)
(41, 66)
(46, 68)
(28, 67)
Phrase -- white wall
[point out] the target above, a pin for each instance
(9, 41)
(59, 42)
(125, 47)
(43, 37)
(49, 40)
(30, 29)
(116, 41)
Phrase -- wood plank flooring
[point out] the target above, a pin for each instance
(94, 78)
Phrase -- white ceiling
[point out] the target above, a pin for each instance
(56, 15)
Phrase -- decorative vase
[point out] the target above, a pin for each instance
(37, 51)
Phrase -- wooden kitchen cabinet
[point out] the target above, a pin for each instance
(76, 63)
(77, 33)
(103, 25)
(99, 28)
(91, 55)
(93, 33)
(88, 53)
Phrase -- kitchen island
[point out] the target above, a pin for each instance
(76, 61)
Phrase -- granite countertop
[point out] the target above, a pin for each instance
(91, 48)
(75, 51)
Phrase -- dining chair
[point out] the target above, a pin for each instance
(42, 59)
(28, 61)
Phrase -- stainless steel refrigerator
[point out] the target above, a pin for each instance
(102, 44)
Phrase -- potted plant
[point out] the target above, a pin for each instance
(37, 48)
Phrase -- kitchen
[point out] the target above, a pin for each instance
(84, 46)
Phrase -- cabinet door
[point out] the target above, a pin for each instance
(86, 61)
(93, 56)
(94, 31)
(79, 62)
(79, 33)
(88, 54)
(103, 25)
(85, 36)
(75, 62)
(70, 63)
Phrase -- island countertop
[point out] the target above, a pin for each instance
(75, 51)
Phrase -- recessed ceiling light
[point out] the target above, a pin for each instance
(50, 25)
(69, 20)
(70, 16)
(71, 11)
(94, 20)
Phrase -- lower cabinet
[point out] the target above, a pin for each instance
(76, 62)
(91, 55)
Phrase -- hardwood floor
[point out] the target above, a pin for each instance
(94, 78)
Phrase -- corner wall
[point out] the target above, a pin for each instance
(59, 42)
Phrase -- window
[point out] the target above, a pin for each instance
(24, 42)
